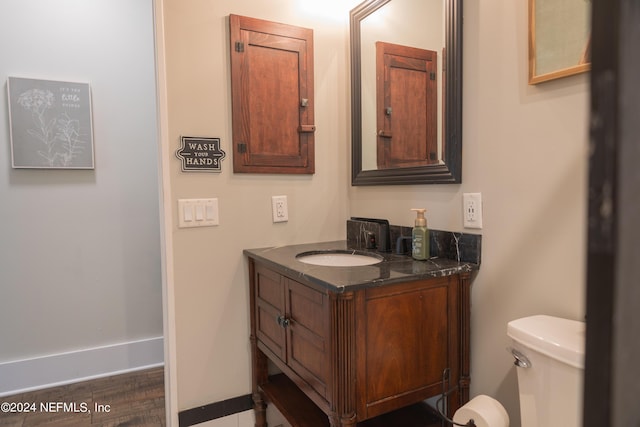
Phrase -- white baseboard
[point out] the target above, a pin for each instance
(20, 376)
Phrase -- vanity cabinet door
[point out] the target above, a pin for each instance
(292, 322)
(270, 310)
(307, 335)
(408, 334)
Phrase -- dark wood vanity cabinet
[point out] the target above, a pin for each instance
(350, 356)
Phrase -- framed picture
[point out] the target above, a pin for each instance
(50, 124)
(559, 39)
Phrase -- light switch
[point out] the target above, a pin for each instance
(197, 212)
(187, 211)
(210, 213)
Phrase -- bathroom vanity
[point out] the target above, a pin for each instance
(341, 346)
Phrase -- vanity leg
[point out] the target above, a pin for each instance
(260, 377)
(259, 362)
(348, 422)
(336, 421)
(343, 362)
(259, 410)
(465, 341)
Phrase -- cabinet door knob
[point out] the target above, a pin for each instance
(283, 321)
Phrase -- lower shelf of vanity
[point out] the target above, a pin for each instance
(300, 411)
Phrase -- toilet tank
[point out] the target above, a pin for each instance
(550, 387)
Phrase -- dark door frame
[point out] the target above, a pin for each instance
(612, 364)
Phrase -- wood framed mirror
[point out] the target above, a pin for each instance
(416, 151)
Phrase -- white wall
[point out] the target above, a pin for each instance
(210, 280)
(524, 149)
(80, 249)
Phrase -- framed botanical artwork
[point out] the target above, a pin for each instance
(559, 39)
(50, 124)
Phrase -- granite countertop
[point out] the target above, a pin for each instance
(393, 269)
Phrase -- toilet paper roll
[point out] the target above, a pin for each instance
(485, 412)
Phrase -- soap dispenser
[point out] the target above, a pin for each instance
(420, 237)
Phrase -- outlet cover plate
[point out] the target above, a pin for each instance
(279, 208)
(472, 210)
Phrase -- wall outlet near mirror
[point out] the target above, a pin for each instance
(279, 209)
(472, 210)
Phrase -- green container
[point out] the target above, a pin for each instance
(420, 237)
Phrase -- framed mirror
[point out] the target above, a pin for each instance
(406, 92)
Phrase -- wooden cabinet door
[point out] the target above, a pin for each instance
(409, 336)
(407, 106)
(270, 306)
(307, 335)
(292, 322)
(272, 97)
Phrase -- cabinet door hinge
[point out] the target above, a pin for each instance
(240, 47)
(433, 76)
(242, 147)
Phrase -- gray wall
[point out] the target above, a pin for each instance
(80, 249)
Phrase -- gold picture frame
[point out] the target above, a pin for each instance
(559, 39)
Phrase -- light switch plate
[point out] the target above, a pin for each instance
(197, 213)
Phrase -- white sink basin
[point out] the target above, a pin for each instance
(339, 258)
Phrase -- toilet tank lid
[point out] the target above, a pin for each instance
(561, 339)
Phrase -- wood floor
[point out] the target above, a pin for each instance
(128, 400)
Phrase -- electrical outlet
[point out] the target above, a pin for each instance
(279, 208)
(472, 210)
